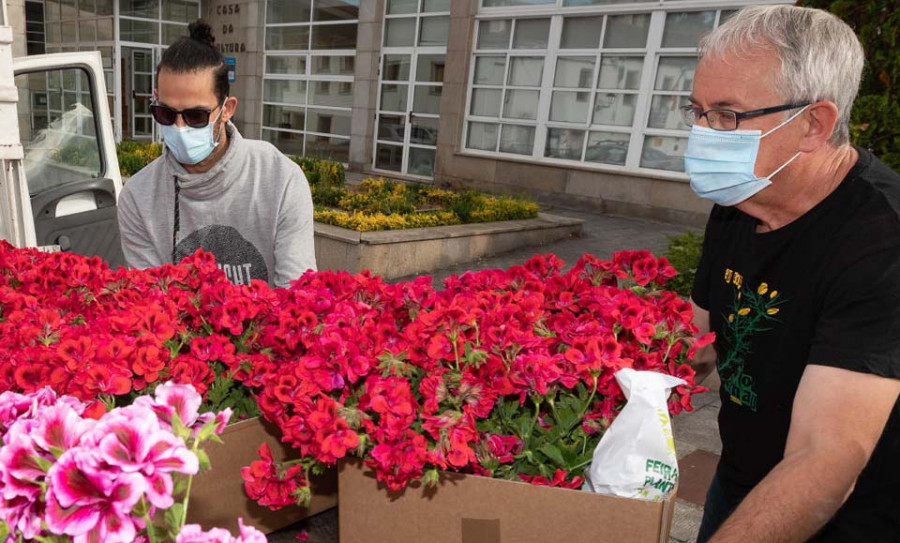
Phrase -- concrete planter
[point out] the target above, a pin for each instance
(398, 253)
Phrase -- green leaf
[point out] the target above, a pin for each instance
(546, 471)
(42, 462)
(159, 533)
(219, 390)
(178, 427)
(173, 517)
(208, 430)
(180, 486)
(552, 452)
(522, 426)
(203, 458)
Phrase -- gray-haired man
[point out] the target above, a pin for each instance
(800, 280)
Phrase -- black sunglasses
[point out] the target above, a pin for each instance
(195, 117)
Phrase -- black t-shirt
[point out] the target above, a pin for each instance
(824, 290)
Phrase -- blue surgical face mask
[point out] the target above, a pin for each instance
(720, 163)
(191, 145)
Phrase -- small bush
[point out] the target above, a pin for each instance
(130, 164)
(492, 209)
(321, 171)
(134, 155)
(327, 195)
(684, 254)
(83, 154)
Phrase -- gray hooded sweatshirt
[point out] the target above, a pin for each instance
(252, 210)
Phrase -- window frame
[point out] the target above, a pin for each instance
(309, 54)
(638, 132)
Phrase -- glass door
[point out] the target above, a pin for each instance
(411, 85)
(143, 75)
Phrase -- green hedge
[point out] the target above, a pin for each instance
(684, 254)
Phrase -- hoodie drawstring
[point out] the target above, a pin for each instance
(177, 222)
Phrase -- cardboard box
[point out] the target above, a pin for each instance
(470, 509)
(217, 495)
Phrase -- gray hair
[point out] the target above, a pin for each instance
(821, 57)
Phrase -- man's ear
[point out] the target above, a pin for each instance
(822, 117)
(230, 106)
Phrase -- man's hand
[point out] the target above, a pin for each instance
(704, 361)
(837, 419)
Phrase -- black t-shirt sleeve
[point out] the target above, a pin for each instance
(859, 327)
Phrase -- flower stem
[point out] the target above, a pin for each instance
(187, 498)
(581, 465)
(187, 492)
(150, 531)
(590, 399)
(584, 412)
(537, 414)
(453, 338)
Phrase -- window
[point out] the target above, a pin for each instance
(34, 28)
(308, 82)
(596, 86)
(507, 87)
(61, 143)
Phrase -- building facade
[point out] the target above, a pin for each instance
(578, 99)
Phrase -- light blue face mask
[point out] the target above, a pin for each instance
(191, 145)
(720, 163)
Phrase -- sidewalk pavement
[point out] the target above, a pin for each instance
(696, 433)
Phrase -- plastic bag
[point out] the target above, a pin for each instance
(636, 456)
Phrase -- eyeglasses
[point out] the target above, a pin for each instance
(195, 117)
(726, 119)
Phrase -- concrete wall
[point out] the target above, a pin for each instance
(239, 28)
(365, 84)
(15, 10)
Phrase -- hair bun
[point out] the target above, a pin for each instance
(202, 32)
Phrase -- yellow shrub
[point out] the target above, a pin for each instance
(493, 208)
(362, 222)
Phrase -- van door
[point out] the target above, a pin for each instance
(70, 154)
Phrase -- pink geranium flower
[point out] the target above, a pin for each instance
(182, 400)
(20, 486)
(193, 533)
(90, 504)
(60, 428)
(132, 440)
(173, 399)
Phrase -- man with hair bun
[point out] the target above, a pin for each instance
(800, 280)
(211, 189)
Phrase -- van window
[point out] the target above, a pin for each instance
(58, 128)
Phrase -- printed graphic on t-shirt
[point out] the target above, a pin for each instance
(238, 258)
(752, 311)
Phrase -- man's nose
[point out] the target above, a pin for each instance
(179, 121)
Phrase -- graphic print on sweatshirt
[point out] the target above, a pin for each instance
(751, 313)
(238, 258)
